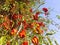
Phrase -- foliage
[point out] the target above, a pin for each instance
(21, 23)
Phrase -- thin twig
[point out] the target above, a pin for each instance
(17, 32)
(37, 7)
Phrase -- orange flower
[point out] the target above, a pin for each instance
(34, 23)
(35, 17)
(30, 25)
(39, 30)
(19, 23)
(37, 13)
(5, 24)
(42, 31)
(41, 24)
(25, 24)
(45, 9)
(14, 16)
(8, 43)
(20, 16)
(13, 31)
(35, 40)
(25, 43)
(31, 10)
(24, 21)
(22, 34)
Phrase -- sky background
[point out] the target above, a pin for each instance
(54, 6)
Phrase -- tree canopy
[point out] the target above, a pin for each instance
(21, 23)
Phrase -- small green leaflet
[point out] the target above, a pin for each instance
(58, 16)
(56, 42)
(51, 33)
(49, 40)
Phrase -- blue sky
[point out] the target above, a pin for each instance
(55, 6)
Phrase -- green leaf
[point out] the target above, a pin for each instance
(1, 20)
(58, 16)
(48, 21)
(40, 39)
(5, 7)
(56, 42)
(45, 42)
(2, 40)
(51, 33)
(50, 42)
(16, 43)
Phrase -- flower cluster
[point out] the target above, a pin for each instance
(20, 13)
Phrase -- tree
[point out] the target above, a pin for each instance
(21, 23)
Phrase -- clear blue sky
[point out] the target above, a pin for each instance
(55, 5)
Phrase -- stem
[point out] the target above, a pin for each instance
(19, 29)
(38, 7)
(17, 32)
